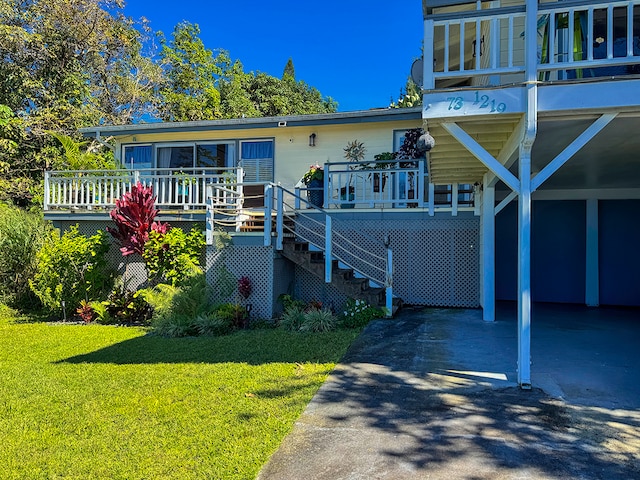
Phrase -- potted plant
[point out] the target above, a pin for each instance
(314, 180)
(353, 152)
(410, 152)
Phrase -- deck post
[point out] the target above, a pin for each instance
(47, 177)
(389, 283)
(488, 253)
(268, 207)
(524, 199)
(209, 215)
(328, 262)
(279, 218)
(592, 287)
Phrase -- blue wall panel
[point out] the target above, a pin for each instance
(619, 242)
(557, 252)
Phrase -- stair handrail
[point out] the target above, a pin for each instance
(384, 275)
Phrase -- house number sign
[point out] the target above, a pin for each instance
(473, 102)
(479, 101)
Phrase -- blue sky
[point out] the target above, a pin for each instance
(357, 51)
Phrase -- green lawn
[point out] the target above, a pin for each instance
(93, 402)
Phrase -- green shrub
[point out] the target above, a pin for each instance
(102, 314)
(21, 236)
(126, 307)
(175, 308)
(72, 268)
(237, 315)
(292, 318)
(212, 324)
(173, 256)
(358, 313)
(319, 321)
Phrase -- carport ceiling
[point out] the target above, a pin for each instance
(610, 160)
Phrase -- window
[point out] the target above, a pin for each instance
(256, 158)
(212, 155)
(137, 157)
(175, 156)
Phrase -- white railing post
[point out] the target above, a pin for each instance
(209, 215)
(454, 199)
(47, 177)
(268, 207)
(429, 82)
(432, 199)
(327, 250)
(279, 218)
(388, 284)
(420, 195)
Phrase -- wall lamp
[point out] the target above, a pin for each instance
(312, 140)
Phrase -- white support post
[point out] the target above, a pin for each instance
(592, 287)
(47, 178)
(209, 215)
(488, 254)
(327, 250)
(524, 200)
(268, 207)
(279, 219)
(524, 270)
(454, 199)
(429, 82)
(420, 194)
(389, 284)
(432, 199)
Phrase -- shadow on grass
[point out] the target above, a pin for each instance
(254, 347)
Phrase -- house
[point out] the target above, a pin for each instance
(249, 170)
(530, 193)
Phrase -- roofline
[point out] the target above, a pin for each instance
(360, 116)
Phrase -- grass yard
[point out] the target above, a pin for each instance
(99, 402)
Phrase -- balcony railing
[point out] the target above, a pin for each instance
(576, 39)
(384, 184)
(91, 189)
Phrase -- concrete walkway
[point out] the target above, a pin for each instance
(432, 395)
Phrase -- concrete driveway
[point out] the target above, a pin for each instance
(432, 395)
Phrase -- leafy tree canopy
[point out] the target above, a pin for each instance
(68, 64)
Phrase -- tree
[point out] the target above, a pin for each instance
(411, 96)
(189, 89)
(65, 65)
(289, 71)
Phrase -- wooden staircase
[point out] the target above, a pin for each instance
(342, 279)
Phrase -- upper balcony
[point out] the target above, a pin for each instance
(481, 60)
(477, 46)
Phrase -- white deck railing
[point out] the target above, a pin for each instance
(184, 188)
(488, 45)
(385, 184)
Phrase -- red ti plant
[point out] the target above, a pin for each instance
(134, 218)
(244, 287)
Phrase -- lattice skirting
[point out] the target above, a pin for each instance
(270, 275)
(436, 260)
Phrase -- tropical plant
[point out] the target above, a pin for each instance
(322, 320)
(125, 307)
(134, 216)
(85, 311)
(292, 318)
(358, 313)
(173, 255)
(244, 287)
(212, 324)
(21, 236)
(72, 268)
(315, 172)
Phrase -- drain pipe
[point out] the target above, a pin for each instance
(524, 201)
